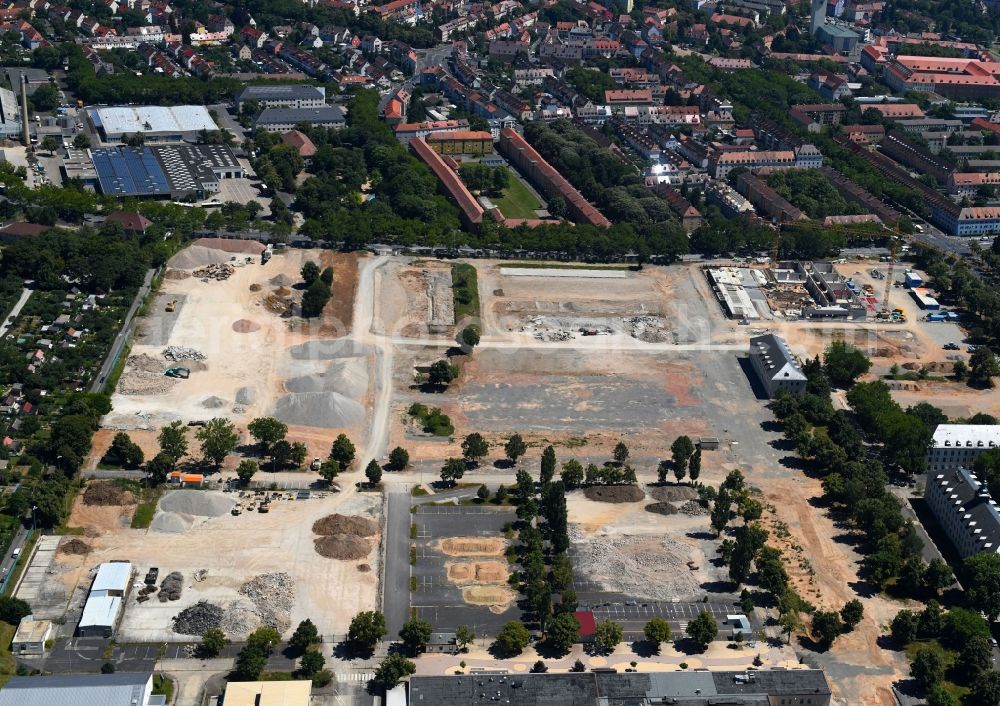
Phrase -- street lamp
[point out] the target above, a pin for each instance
(33, 508)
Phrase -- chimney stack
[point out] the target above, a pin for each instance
(25, 124)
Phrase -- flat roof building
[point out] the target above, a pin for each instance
(775, 365)
(285, 119)
(31, 636)
(10, 115)
(294, 95)
(164, 171)
(180, 123)
(104, 603)
(267, 693)
(802, 687)
(81, 690)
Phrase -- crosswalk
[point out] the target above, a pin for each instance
(356, 677)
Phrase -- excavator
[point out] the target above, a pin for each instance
(171, 305)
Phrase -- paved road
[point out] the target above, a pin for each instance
(25, 295)
(123, 334)
(396, 581)
(8, 562)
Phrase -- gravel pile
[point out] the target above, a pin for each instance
(348, 377)
(662, 508)
(171, 586)
(614, 493)
(319, 409)
(176, 353)
(693, 508)
(246, 395)
(143, 375)
(273, 596)
(674, 493)
(240, 618)
(171, 522)
(196, 502)
(198, 256)
(281, 280)
(651, 567)
(198, 619)
(214, 402)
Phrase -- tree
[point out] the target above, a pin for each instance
(681, 452)
(250, 663)
(393, 668)
(310, 271)
(328, 470)
(128, 453)
(415, 634)
(983, 367)
(267, 431)
(218, 437)
(311, 663)
(315, 298)
(304, 637)
(657, 631)
(367, 628)
(959, 626)
(441, 373)
(975, 657)
(607, 635)
(81, 141)
(826, 626)
(213, 642)
(939, 696)
(326, 276)
(572, 474)
(515, 448)
(702, 630)
(13, 609)
(719, 516)
(50, 144)
(960, 370)
(524, 485)
(513, 638)
(373, 472)
(452, 470)
(927, 668)
(548, 470)
(263, 639)
(983, 586)
(694, 465)
(342, 451)
(464, 637)
(844, 363)
(108, 668)
(245, 471)
(470, 336)
(986, 689)
(483, 494)
(474, 447)
(620, 453)
(852, 613)
(158, 468)
(937, 576)
(399, 459)
(563, 631)
(173, 440)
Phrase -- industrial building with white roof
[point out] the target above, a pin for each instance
(81, 690)
(180, 123)
(104, 603)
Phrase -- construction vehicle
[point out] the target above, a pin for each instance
(171, 305)
(315, 465)
(266, 255)
(181, 373)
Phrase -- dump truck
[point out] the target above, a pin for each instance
(182, 373)
(266, 255)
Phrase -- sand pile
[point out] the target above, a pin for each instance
(104, 492)
(248, 247)
(143, 375)
(319, 409)
(642, 566)
(196, 502)
(345, 524)
(485, 572)
(281, 280)
(246, 395)
(197, 256)
(213, 402)
(255, 287)
(472, 546)
(171, 522)
(245, 326)
(76, 547)
(282, 292)
(614, 493)
(496, 597)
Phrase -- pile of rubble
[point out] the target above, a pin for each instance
(171, 587)
(176, 353)
(145, 592)
(143, 375)
(240, 619)
(650, 329)
(694, 508)
(198, 619)
(273, 596)
(218, 272)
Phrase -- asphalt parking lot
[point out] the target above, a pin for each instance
(438, 600)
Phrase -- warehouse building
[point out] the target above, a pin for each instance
(295, 95)
(285, 119)
(103, 608)
(775, 365)
(164, 171)
(267, 693)
(801, 687)
(81, 690)
(10, 116)
(965, 510)
(181, 123)
(31, 636)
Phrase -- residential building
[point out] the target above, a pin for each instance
(301, 142)
(958, 445)
(776, 367)
(408, 131)
(285, 119)
(295, 95)
(721, 163)
(470, 209)
(10, 116)
(461, 142)
(121, 689)
(968, 183)
(766, 200)
(951, 77)
(964, 509)
(895, 111)
(971, 220)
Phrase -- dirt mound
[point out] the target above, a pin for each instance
(674, 493)
(342, 546)
(75, 547)
(213, 402)
(104, 492)
(472, 546)
(246, 395)
(176, 274)
(281, 280)
(487, 572)
(345, 524)
(364, 568)
(282, 292)
(245, 326)
(250, 247)
(493, 596)
(255, 287)
(662, 508)
(615, 493)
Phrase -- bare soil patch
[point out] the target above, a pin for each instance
(472, 546)
(74, 546)
(343, 546)
(106, 493)
(674, 494)
(176, 274)
(483, 572)
(245, 326)
(615, 493)
(345, 524)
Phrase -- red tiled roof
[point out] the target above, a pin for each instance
(459, 135)
(130, 221)
(22, 229)
(470, 208)
(300, 141)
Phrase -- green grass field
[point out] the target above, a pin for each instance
(465, 289)
(517, 201)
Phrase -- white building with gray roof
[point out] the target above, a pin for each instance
(81, 690)
(775, 366)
